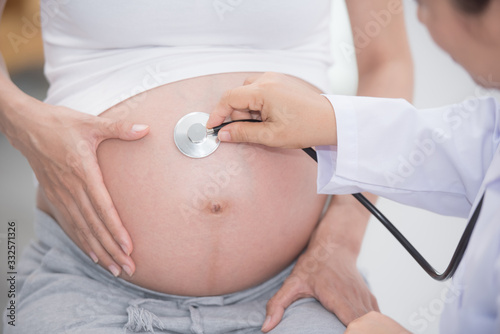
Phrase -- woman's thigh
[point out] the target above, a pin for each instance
(55, 299)
(60, 290)
(59, 297)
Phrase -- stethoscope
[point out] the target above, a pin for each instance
(194, 140)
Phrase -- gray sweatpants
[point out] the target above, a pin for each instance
(60, 290)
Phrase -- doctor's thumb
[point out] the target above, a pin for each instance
(246, 133)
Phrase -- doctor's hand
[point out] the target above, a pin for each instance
(375, 323)
(293, 114)
(60, 145)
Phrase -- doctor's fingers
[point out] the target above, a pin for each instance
(267, 133)
(244, 98)
(252, 78)
(259, 93)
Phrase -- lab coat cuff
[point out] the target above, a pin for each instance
(337, 164)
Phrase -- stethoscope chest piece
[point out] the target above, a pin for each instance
(190, 136)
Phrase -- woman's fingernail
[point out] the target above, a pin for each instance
(114, 270)
(224, 136)
(128, 270)
(139, 127)
(266, 323)
(125, 249)
(93, 257)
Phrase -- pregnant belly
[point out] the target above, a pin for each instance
(213, 225)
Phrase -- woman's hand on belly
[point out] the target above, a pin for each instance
(327, 269)
(60, 145)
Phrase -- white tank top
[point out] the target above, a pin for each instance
(101, 52)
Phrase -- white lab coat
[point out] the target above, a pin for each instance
(440, 159)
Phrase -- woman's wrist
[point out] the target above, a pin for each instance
(343, 225)
(326, 237)
(16, 109)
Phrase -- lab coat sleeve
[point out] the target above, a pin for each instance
(434, 159)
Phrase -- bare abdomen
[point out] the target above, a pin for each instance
(206, 226)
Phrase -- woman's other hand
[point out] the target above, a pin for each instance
(327, 272)
(375, 323)
(293, 114)
(60, 145)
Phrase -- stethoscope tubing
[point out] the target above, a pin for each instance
(428, 268)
